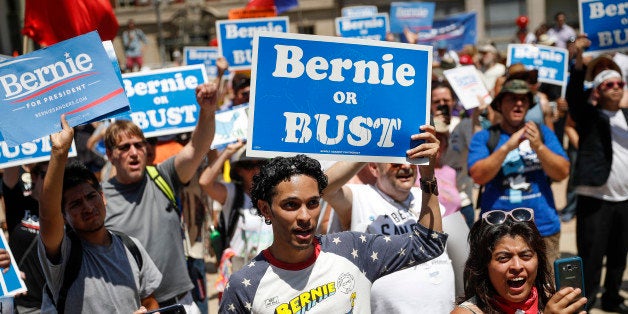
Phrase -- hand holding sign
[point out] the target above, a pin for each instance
(62, 140)
(428, 149)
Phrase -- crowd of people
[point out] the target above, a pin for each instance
(127, 227)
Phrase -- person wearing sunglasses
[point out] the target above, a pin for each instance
(508, 271)
(138, 207)
(524, 158)
(600, 177)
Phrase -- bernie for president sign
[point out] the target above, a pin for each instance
(75, 77)
(337, 98)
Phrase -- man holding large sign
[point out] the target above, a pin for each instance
(137, 206)
(333, 97)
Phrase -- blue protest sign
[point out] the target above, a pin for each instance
(163, 102)
(203, 55)
(235, 36)
(416, 16)
(11, 282)
(27, 153)
(551, 62)
(457, 30)
(606, 24)
(374, 27)
(75, 77)
(337, 98)
(359, 11)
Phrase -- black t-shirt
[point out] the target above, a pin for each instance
(23, 225)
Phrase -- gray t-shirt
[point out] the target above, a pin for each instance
(140, 210)
(109, 281)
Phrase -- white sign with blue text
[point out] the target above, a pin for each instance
(74, 77)
(551, 62)
(374, 27)
(203, 55)
(163, 101)
(606, 24)
(231, 125)
(337, 98)
(27, 153)
(235, 38)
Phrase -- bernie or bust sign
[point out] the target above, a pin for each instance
(335, 98)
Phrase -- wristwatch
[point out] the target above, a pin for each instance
(429, 186)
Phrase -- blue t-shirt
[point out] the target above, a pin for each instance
(521, 182)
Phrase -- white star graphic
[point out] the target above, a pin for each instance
(434, 235)
(231, 307)
(336, 240)
(251, 264)
(374, 256)
(354, 253)
(387, 239)
(248, 306)
(411, 262)
(363, 238)
(227, 286)
(402, 251)
(246, 282)
(67, 54)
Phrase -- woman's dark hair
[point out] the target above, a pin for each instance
(483, 238)
(281, 169)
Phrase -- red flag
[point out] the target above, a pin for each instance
(48, 22)
(280, 5)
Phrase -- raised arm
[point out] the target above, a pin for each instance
(189, 158)
(207, 180)
(50, 217)
(337, 194)
(429, 216)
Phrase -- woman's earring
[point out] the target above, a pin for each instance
(267, 221)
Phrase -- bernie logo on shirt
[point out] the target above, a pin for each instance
(307, 300)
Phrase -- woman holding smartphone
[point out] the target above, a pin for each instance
(507, 270)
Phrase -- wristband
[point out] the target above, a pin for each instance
(429, 186)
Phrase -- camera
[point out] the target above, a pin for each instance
(444, 109)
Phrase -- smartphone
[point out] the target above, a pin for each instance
(170, 309)
(568, 273)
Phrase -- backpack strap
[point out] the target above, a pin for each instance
(75, 261)
(72, 268)
(163, 186)
(132, 247)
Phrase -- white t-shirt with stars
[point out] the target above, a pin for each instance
(337, 278)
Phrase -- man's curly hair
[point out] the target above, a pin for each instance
(281, 169)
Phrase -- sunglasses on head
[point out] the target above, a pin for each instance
(127, 146)
(497, 217)
(611, 84)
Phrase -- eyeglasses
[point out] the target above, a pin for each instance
(497, 217)
(612, 84)
(127, 146)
